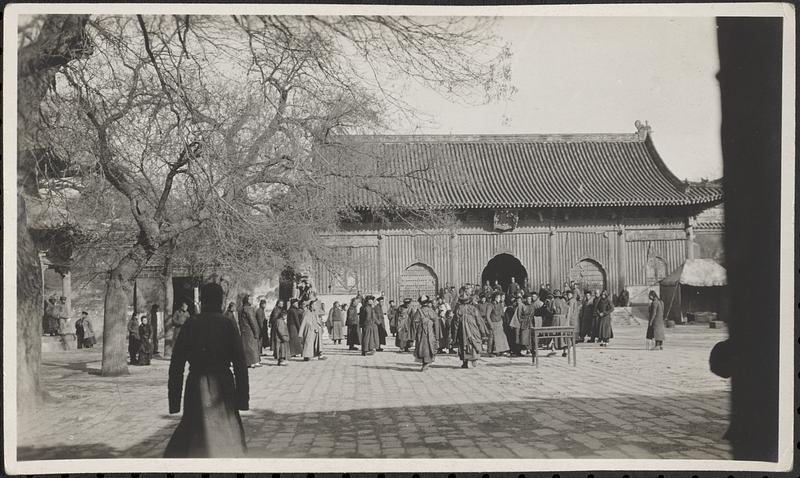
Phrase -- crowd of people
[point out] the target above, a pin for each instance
(471, 321)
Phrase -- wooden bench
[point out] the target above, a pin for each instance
(565, 333)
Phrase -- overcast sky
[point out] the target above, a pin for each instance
(599, 75)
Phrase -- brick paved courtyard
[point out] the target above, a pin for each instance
(620, 402)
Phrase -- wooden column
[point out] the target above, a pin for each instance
(553, 254)
(382, 265)
(622, 258)
(454, 280)
(66, 290)
(690, 237)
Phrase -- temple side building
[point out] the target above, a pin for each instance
(601, 209)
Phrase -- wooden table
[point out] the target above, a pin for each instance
(565, 333)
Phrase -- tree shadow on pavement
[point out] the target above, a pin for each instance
(624, 426)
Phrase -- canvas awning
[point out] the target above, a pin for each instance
(698, 273)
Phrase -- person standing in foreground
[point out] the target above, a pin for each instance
(248, 327)
(211, 426)
(311, 331)
(273, 316)
(468, 331)
(353, 333)
(655, 326)
(604, 309)
(426, 340)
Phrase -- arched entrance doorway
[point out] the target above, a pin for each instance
(502, 268)
(589, 274)
(418, 279)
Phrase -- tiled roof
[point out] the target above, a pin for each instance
(516, 171)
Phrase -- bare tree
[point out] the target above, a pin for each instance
(213, 148)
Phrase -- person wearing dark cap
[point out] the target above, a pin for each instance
(370, 341)
(404, 339)
(391, 314)
(426, 342)
(311, 331)
(497, 343)
(294, 317)
(604, 309)
(468, 331)
(250, 332)
(352, 323)
(378, 312)
(655, 324)
(210, 426)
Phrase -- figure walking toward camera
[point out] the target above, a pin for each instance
(655, 326)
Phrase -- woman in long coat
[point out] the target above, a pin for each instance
(353, 337)
(655, 326)
(497, 343)
(248, 327)
(426, 340)
(211, 426)
(337, 318)
(604, 309)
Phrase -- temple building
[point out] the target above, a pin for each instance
(601, 209)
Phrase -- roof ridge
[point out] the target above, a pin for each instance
(494, 138)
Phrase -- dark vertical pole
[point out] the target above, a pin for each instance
(750, 87)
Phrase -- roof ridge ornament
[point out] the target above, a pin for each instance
(642, 129)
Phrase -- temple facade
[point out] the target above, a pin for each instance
(601, 209)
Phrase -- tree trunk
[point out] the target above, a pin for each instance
(28, 318)
(166, 281)
(115, 317)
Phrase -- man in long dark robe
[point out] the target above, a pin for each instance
(378, 312)
(369, 337)
(403, 339)
(595, 317)
(250, 331)
(273, 316)
(513, 288)
(211, 426)
(391, 314)
(497, 343)
(468, 331)
(263, 326)
(525, 318)
(426, 341)
(586, 317)
(353, 329)
(510, 325)
(294, 318)
(603, 309)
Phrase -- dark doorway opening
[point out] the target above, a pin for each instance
(502, 268)
(183, 291)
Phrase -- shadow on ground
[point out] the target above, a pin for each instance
(621, 427)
